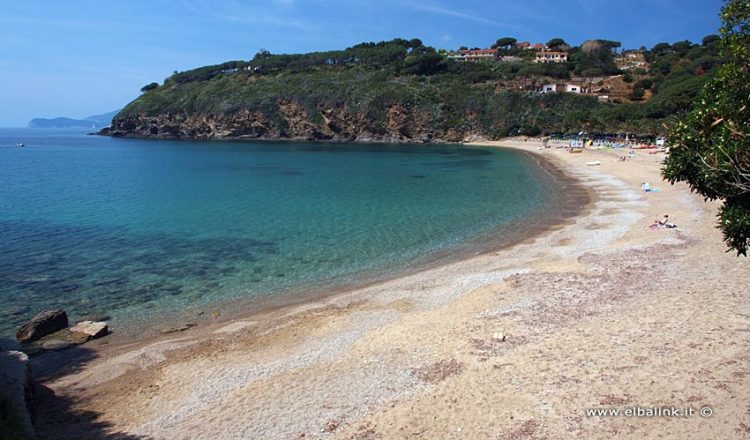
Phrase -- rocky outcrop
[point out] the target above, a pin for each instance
(49, 332)
(292, 122)
(42, 325)
(16, 395)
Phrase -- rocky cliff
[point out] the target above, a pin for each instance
(294, 122)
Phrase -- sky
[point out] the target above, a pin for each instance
(83, 57)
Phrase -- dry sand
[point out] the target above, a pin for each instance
(514, 344)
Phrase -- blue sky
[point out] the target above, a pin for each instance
(82, 57)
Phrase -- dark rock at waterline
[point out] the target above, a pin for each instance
(42, 325)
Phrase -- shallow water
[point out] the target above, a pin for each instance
(134, 228)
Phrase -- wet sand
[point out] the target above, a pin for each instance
(519, 342)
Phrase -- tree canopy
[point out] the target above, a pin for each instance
(595, 58)
(711, 144)
(556, 43)
(711, 39)
(149, 87)
(505, 42)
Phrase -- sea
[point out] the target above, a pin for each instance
(140, 229)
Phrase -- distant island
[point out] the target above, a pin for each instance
(92, 122)
(404, 91)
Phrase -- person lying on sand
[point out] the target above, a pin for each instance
(662, 223)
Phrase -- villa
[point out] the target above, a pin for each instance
(551, 57)
(474, 55)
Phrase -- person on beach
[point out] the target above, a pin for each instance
(665, 223)
(662, 223)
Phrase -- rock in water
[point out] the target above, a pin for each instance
(90, 328)
(42, 325)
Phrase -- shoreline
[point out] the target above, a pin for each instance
(568, 204)
(421, 352)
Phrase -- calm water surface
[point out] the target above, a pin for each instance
(134, 228)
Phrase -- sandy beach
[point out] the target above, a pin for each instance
(597, 313)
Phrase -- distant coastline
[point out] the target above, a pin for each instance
(90, 122)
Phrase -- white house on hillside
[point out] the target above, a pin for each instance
(474, 55)
(548, 88)
(551, 57)
(563, 88)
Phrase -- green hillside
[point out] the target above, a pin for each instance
(369, 83)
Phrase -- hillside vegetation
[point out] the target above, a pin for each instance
(403, 90)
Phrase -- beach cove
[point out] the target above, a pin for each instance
(597, 312)
(148, 231)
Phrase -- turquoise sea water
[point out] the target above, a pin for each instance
(133, 228)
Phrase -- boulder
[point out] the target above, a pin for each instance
(90, 328)
(16, 393)
(42, 325)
